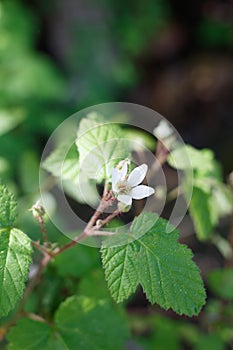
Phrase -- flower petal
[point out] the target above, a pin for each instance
(115, 178)
(125, 198)
(137, 175)
(142, 191)
(123, 171)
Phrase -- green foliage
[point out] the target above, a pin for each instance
(221, 282)
(158, 262)
(211, 198)
(15, 259)
(80, 322)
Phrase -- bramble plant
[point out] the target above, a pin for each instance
(66, 304)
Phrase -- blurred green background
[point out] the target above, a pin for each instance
(59, 56)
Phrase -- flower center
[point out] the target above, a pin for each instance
(123, 187)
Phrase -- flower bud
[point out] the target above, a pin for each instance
(37, 210)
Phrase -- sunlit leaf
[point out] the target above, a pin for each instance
(158, 262)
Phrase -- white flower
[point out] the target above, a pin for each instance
(126, 188)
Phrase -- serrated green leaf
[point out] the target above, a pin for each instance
(159, 263)
(200, 212)
(80, 323)
(101, 146)
(120, 271)
(15, 259)
(7, 207)
(221, 282)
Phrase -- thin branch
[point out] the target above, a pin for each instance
(109, 218)
(103, 205)
(41, 248)
(70, 244)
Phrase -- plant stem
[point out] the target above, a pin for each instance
(41, 248)
(72, 243)
(110, 217)
(103, 204)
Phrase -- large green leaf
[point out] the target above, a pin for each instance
(15, 259)
(101, 146)
(7, 207)
(80, 323)
(158, 262)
